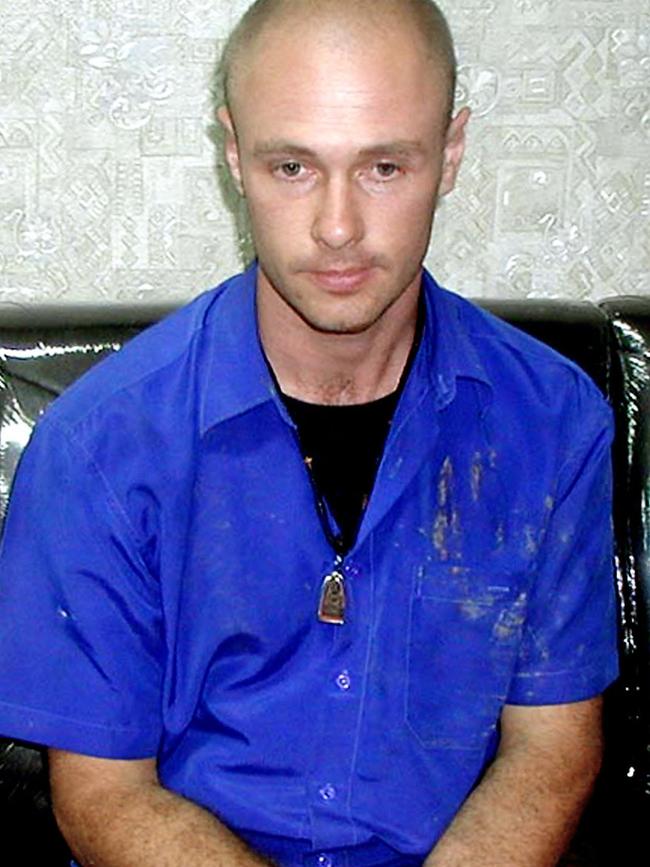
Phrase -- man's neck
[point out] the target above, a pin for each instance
(337, 369)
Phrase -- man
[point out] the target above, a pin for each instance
(329, 577)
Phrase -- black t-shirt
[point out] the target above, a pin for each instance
(343, 446)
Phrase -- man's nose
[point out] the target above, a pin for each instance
(338, 221)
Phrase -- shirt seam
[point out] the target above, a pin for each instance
(585, 669)
(112, 499)
(75, 720)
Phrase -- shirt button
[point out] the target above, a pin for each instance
(327, 792)
(353, 569)
(324, 861)
(343, 680)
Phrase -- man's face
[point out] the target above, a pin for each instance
(341, 148)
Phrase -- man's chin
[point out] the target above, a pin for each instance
(338, 311)
(341, 324)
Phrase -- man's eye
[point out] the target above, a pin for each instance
(290, 169)
(386, 170)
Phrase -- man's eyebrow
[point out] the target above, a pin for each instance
(281, 146)
(399, 147)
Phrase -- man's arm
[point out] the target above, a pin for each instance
(116, 814)
(525, 810)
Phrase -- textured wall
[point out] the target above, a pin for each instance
(107, 181)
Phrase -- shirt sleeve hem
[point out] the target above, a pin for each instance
(534, 688)
(51, 730)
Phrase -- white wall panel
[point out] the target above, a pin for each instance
(108, 187)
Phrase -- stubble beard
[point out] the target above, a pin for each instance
(354, 321)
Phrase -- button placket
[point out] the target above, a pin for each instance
(329, 791)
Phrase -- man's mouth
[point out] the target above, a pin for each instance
(341, 279)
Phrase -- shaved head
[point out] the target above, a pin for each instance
(338, 19)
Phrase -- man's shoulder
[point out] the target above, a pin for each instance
(511, 356)
(146, 371)
(533, 388)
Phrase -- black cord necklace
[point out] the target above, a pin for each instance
(332, 598)
(331, 605)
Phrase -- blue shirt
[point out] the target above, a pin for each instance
(163, 559)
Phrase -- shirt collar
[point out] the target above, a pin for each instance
(237, 375)
(238, 378)
(448, 352)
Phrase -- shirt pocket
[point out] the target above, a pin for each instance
(464, 632)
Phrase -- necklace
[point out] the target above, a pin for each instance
(331, 605)
(337, 516)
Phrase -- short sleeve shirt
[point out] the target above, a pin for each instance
(163, 559)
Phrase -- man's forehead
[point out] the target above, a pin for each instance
(302, 69)
(399, 30)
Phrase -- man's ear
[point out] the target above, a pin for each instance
(231, 148)
(453, 151)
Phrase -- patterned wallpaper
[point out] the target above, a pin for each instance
(109, 180)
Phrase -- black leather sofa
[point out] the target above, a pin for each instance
(42, 350)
